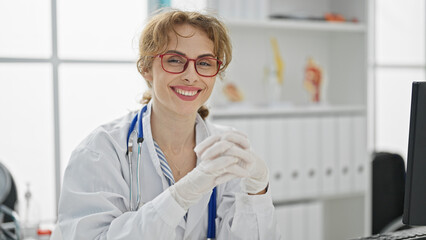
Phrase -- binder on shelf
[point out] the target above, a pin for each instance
(360, 153)
(297, 224)
(277, 160)
(314, 221)
(328, 143)
(250, 9)
(295, 147)
(213, 5)
(241, 9)
(226, 9)
(303, 221)
(283, 216)
(311, 156)
(345, 154)
(237, 9)
(258, 137)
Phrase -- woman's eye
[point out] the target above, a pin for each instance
(204, 63)
(174, 60)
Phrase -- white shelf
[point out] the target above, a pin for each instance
(299, 25)
(322, 198)
(253, 111)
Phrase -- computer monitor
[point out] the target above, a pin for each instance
(415, 184)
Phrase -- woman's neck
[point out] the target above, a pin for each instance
(171, 131)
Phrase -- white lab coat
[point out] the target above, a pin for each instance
(94, 202)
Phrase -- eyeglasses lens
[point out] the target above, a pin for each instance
(205, 66)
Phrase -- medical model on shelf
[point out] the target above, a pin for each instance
(233, 93)
(274, 74)
(313, 79)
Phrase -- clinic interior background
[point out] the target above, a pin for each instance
(64, 72)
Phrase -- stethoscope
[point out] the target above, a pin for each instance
(211, 227)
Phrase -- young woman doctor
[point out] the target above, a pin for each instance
(187, 178)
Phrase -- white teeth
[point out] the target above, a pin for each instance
(186, 93)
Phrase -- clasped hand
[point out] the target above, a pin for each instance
(223, 158)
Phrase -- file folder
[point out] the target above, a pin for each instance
(328, 152)
(298, 224)
(277, 160)
(258, 137)
(345, 154)
(314, 221)
(294, 140)
(283, 221)
(360, 152)
(311, 156)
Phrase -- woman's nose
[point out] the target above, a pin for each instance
(190, 74)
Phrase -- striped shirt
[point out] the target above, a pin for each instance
(166, 168)
(167, 171)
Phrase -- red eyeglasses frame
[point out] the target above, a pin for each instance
(187, 63)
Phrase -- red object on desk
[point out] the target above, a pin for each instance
(44, 232)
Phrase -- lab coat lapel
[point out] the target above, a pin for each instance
(150, 143)
(196, 213)
(200, 209)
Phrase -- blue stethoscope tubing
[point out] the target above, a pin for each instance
(211, 226)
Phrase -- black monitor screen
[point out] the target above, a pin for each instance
(415, 185)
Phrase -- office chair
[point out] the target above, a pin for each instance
(388, 171)
(9, 221)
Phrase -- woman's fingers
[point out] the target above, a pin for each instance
(238, 138)
(233, 171)
(240, 153)
(235, 137)
(225, 165)
(208, 142)
(216, 150)
(224, 178)
(237, 170)
(219, 165)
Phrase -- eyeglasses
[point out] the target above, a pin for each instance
(204, 66)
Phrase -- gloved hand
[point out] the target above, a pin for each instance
(258, 177)
(215, 168)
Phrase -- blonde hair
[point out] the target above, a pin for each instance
(155, 38)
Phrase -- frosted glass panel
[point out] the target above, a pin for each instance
(393, 101)
(26, 139)
(400, 32)
(25, 28)
(91, 95)
(99, 29)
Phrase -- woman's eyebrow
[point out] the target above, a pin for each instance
(206, 55)
(183, 54)
(177, 52)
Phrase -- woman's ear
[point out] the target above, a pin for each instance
(147, 75)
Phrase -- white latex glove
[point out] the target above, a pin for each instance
(215, 168)
(258, 177)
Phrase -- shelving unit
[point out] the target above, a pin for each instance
(241, 111)
(317, 153)
(298, 25)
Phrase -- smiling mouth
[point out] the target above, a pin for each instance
(185, 92)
